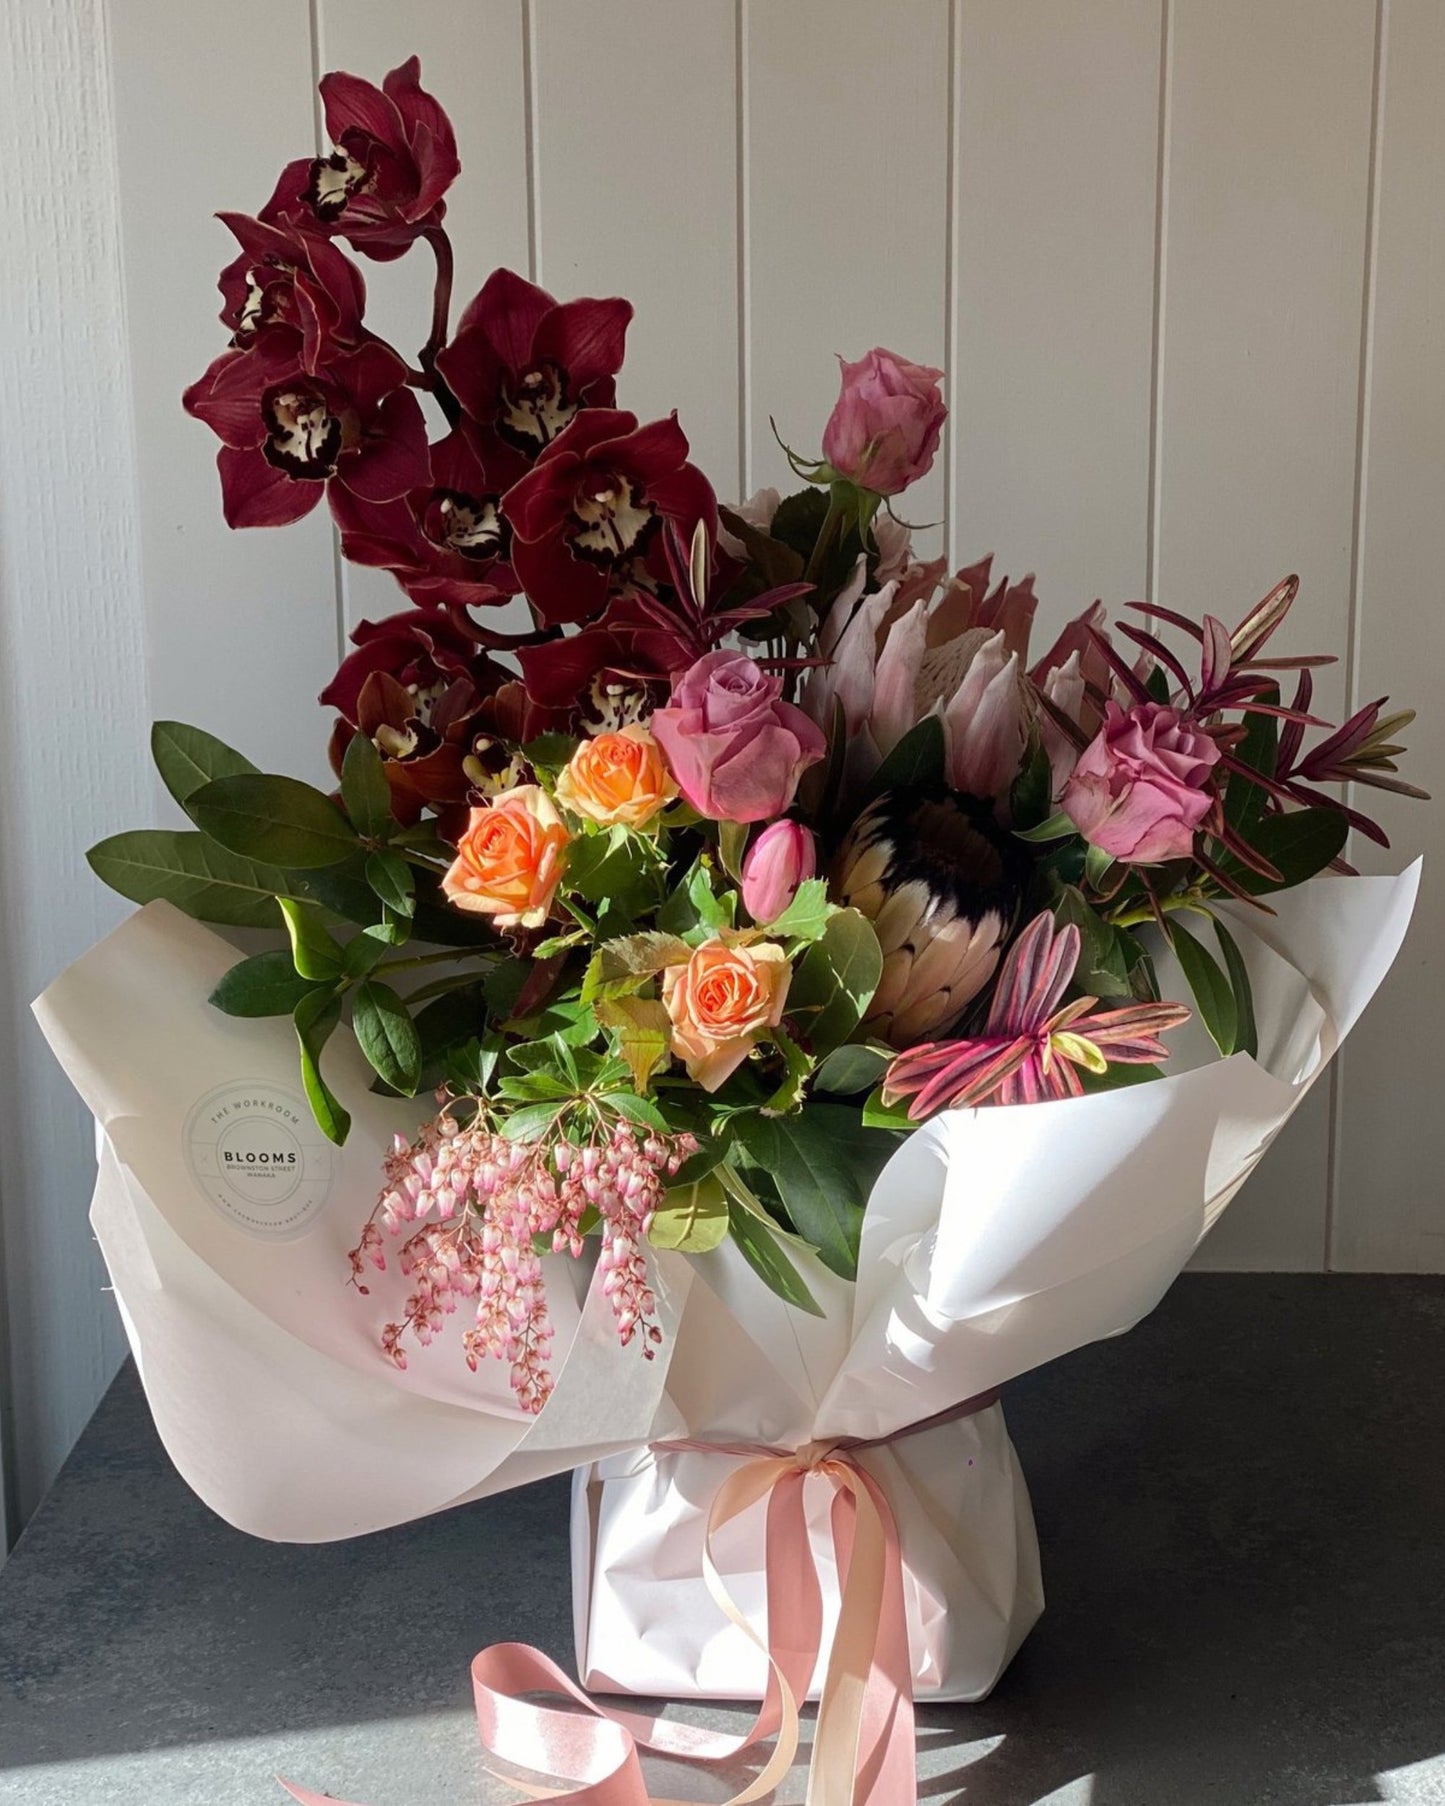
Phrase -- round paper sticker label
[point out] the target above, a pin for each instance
(258, 1156)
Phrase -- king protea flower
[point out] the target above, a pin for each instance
(1031, 1047)
(942, 884)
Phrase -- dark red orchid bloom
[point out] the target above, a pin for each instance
(586, 514)
(522, 364)
(447, 543)
(424, 650)
(288, 433)
(394, 156)
(284, 279)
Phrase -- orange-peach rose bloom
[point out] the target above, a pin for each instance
(510, 858)
(619, 778)
(721, 1002)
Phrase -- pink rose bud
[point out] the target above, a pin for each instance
(886, 423)
(777, 862)
(735, 747)
(1143, 785)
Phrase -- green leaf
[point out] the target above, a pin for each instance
(1211, 989)
(340, 889)
(693, 912)
(265, 985)
(1057, 827)
(278, 819)
(918, 759)
(643, 1033)
(364, 788)
(823, 1162)
(799, 520)
(191, 871)
(1157, 683)
(623, 965)
(854, 1067)
(1244, 802)
(789, 1095)
(1246, 1037)
(693, 1218)
(188, 757)
(550, 751)
(387, 1035)
(835, 981)
(1096, 865)
(638, 1109)
(363, 950)
(315, 952)
(762, 1251)
(878, 1115)
(315, 1017)
(1033, 789)
(532, 1121)
(1103, 968)
(807, 915)
(1297, 845)
(732, 841)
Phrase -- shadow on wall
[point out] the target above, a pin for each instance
(1239, 1507)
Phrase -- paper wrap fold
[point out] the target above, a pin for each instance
(995, 1240)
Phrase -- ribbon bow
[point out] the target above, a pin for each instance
(863, 1749)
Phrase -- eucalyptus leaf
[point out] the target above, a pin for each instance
(188, 757)
(278, 819)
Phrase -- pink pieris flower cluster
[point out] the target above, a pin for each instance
(484, 1205)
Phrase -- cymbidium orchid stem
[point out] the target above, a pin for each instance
(441, 296)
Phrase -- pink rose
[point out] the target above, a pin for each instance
(1142, 786)
(778, 861)
(735, 747)
(885, 425)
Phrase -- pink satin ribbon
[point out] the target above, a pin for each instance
(863, 1745)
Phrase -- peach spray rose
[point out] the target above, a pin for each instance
(510, 858)
(721, 1002)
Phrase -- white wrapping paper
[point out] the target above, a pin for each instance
(995, 1240)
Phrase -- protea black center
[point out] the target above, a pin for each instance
(942, 883)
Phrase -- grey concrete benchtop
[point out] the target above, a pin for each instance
(1242, 1513)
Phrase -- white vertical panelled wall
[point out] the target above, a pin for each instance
(1183, 259)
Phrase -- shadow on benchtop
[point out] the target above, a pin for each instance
(1240, 1509)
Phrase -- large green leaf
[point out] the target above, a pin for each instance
(1259, 749)
(278, 819)
(1211, 988)
(835, 981)
(823, 1163)
(387, 1035)
(1103, 968)
(265, 985)
(191, 871)
(918, 759)
(188, 757)
(692, 1217)
(315, 952)
(763, 1252)
(1246, 1037)
(316, 1016)
(854, 1067)
(364, 788)
(1297, 845)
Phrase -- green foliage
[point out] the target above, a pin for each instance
(807, 915)
(276, 819)
(695, 912)
(693, 1216)
(387, 1035)
(185, 868)
(1246, 1034)
(315, 952)
(267, 984)
(760, 1247)
(1298, 845)
(364, 789)
(641, 1033)
(1104, 964)
(1032, 793)
(919, 759)
(835, 980)
(316, 1017)
(1244, 802)
(188, 757)
(1212, 993)
(853, 1068)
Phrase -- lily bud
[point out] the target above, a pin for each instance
(942, 884)
(777, 862)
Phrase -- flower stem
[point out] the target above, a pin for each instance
(427, 959)
(441, 296)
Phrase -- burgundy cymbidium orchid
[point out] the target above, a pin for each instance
(585, 518)
(523, 365)
(446, 543)
(285, 279)
(1033, 1043)
(287, 432)
(393, 157)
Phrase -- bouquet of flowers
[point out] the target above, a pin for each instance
(737, 926)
